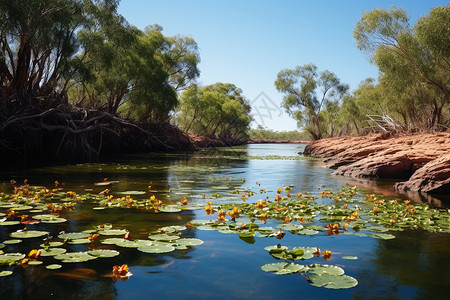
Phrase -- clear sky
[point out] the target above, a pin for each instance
(247, 42)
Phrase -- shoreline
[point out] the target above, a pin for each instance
(420, 163)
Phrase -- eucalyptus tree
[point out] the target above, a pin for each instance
(306, 93)
(414, 61)
(37, 40)
(219, 109)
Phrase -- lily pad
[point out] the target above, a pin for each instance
(53, 267)
(79, 241)
(34, 262)
(189, 242)
(28, 234)
(5, 273)
(283, 268)
(169, 209)
(74, 235)
(12, 256)
(159, 248)
(381, 236)
(163, 237)
(325, 269)
(51, 244)
(132, 193)
(9, 223)
(52, 251)
(133, 244)
(74, 257)
(350, 257)
(104, 253)
(290, 227)
(113, 232)
(333, 281)
(305, 231)
(12, 242)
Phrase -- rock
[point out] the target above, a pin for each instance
(433, 177)
(386, 156)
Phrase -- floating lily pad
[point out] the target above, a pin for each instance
(132, 193)
(325, 269)
(189, 242)
(5, 273)
(133, 244)
(350, 257)
(28, 234)
(283, 268)
(159, 248)
(305, 231)
(163, 237)
(290, 227)
(171, 229)
(381, 236)
(333, 281)
(79, 241)
(104, 253)
(112, 241)
(51, 244)
(34, 262)
(275, 248)
(52, 251)
(2, 246)
(9, 223)
(23, 207)
(74, 257)
(113, 232)
(169, 209)
(74, 235)
(53, 267)
(12, 242)
(12, 256)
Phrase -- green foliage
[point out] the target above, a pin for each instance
(414, 81)
(307, 92)
(218, 109)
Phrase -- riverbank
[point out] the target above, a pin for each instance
(419, 162)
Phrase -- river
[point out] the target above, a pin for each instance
(414, 265)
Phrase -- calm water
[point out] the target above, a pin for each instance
(414, 265)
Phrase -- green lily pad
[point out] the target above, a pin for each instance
(74, 235)
(275, 248)
(12, 242)
(52, 251)
(74, 257)
(133, 244)
(12, 256)
(290, 227)
(79, 241)
(350, 257)
(171, 229)
(159, 248)
(381, 236)
(9, 223)
(5, 273)
(28, 234)
(283, 268)
(34, 262)
(51, 244)
(112, 241)
(132, 193)
(305, 231)
(169, 209)
(333, 281)
(2, 246)
(163, 237)
(23, 207)
(113, 232)
(104, 253)
(325, 269)
(53, 267)
(189, 242)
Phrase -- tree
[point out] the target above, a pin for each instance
(37, 40)
(218, 109)
(414, 62)
(306, 92)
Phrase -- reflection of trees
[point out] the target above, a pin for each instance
(413, 265)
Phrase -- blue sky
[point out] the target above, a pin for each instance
(247, 42)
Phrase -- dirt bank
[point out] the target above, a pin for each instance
(420, 161)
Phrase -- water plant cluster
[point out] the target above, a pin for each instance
(29, 212)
